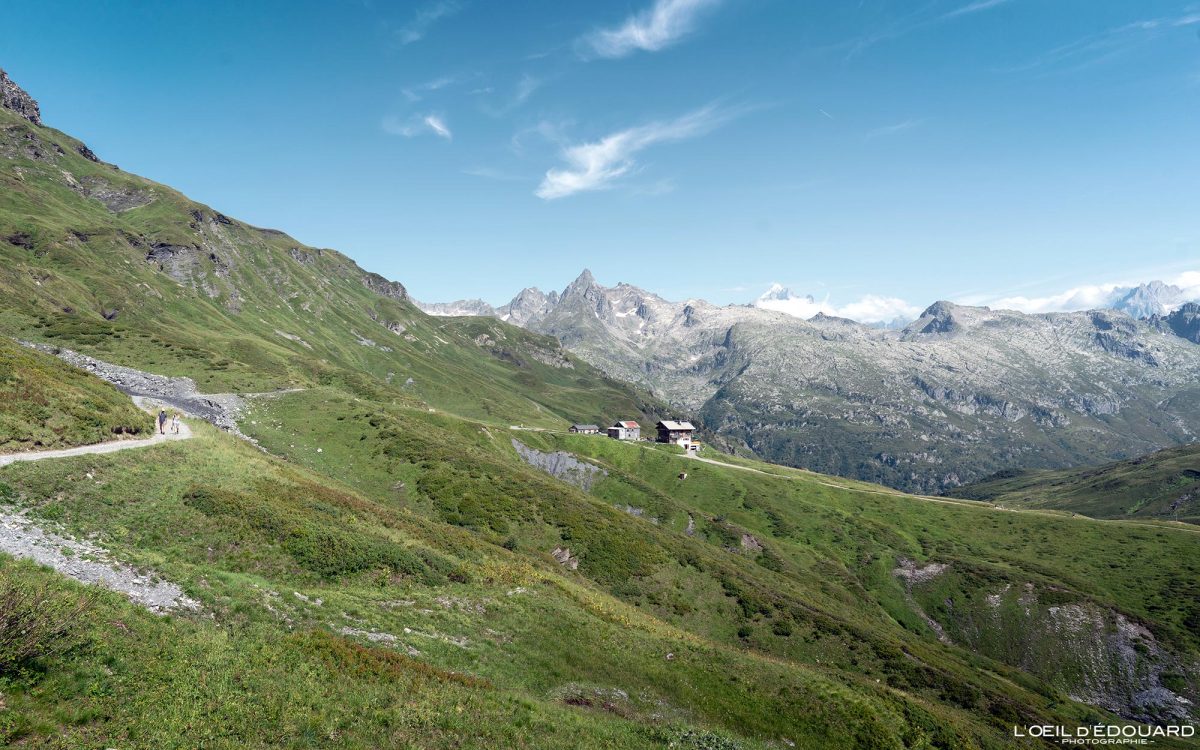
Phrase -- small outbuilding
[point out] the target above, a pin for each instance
(625, 429)
(585, 429)
(679, 433)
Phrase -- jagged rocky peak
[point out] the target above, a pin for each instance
(581, 286)
(940, 317)
(14, 97)
(457, 308)
(1183, 322)
(529, 305)
(1145, 300)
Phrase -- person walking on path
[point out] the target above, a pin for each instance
(162, 421)
(175, 423)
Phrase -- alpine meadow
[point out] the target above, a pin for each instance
(254, 495)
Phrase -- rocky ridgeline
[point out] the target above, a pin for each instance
(14, 97)
(958, 394)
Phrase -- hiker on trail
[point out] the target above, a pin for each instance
(175, 423)
(162, 421)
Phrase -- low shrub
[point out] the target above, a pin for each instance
(37, 621)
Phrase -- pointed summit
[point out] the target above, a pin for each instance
(581, 285)
(584, 279)
(14, 97)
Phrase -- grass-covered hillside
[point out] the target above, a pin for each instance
(415, 555)
(397, 588)
(1162, 486)
(132, 272)
(45, 403)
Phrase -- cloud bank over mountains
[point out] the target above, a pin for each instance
(871, 308)
(1138, 300)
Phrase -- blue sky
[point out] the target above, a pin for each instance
(875, 150)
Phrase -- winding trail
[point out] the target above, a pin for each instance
(23, 537)
(111, 446)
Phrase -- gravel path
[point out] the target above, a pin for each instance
(112, 446)
(21, 537)
(87, 563)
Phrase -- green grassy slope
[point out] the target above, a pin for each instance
(45, 404)
(494, 647)
(170, 285)
(385, 574)
(1161, 486)
(785, 563)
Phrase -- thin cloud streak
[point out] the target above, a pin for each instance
(899, 127)
(417, 93)
(416, 29)
(596, 165)
(651, 30)
(418, 125)
(973, 8)
(1097, 48)
(488, 173)
(915, 23)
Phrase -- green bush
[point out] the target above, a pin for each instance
(36, 621)
(305, 527)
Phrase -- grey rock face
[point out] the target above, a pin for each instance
(561, 465)
(1184, 322)
(116, 198)
(14, 97)
(1145, 300)
(384, 288)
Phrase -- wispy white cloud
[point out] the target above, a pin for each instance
(650, 30)
(973, 8)
(898, 127)
(438, 126)
(418, 125)
(595, 165)
(416, 29)
(490, 173)
(417, 92)
(871, 308)
(916, 21)
(525, 88)
(1097, 48)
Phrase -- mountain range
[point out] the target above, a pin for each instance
(955, 395)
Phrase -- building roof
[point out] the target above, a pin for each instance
(628, 424)
(668, 424)
(585, 427)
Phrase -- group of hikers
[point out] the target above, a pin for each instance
(162, 422)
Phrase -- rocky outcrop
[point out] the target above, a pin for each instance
(384, 288)
(1095, 654)
(561, 465)
(1183, 322)
(116, 198)
(13, 97)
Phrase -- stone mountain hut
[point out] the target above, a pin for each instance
(625, 429)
